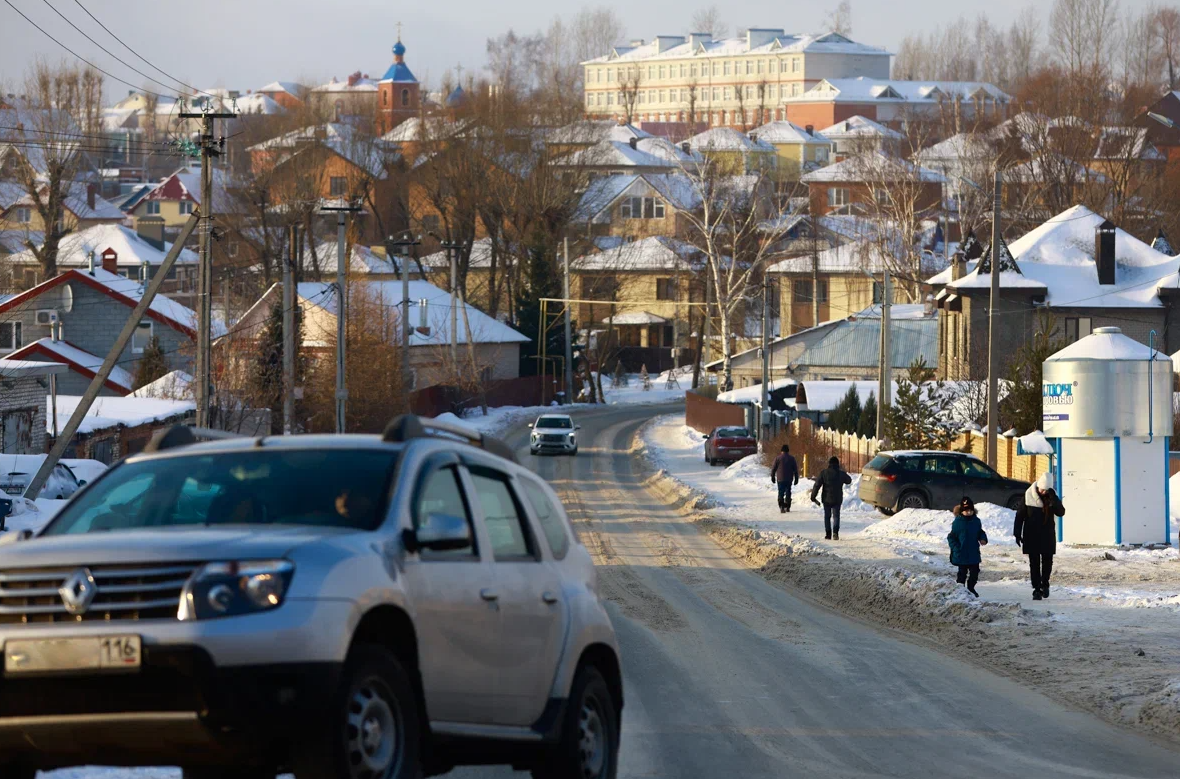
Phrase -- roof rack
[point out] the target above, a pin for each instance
(407, 427)
(183, 435)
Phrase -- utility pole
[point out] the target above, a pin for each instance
(707, 328)
(289, 330)
(403, 255)
(993, 397)
(569, 346)
(210, 148)
(341, 311)
(885, 360)
(765, 408)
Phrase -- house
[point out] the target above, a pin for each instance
(81, 365)
(1075, 272)
(633, 156)
(858, 135)
(495, 344)
(482, 283)
(590, 132)
(895, 101)
(90, 308)
(1160, 135)
(873, 182)
(364, 262)
(119, 249)
(733, 152)
(355, 99)
(82, 208)
(798, 149)
(176, 196)
(289, 94)
(636, 206)
(23, 404)
(114, 428)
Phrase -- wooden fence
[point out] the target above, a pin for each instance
(856, 451)
(703, 414)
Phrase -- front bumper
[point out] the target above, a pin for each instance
(179, 708)
(553, 446)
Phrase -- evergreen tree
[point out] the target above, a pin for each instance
(266, 376)
(920, 416)
(152, 364)
(1022, 406)
(867, 426)
(845, 417)
(540, 280)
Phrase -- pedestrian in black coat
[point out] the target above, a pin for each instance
(831, 481)
(1036, 531)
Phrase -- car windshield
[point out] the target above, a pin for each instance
(732, 432)
(325, 488)
(559, 422)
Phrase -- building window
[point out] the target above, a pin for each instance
(795, 65)
(10, 336)
(24, 215)
(692, 70)
(801, 291)
(337, 186)
(30, 276)
(759, 67)
(663, 96)
(153, 208)
(662, 71)
(666, 289)
(141, 338)
(186, 207)
(837, 196)
(610, 74)
(18, 431)
(641, 208)
(1077, 327)
(725, 67)
(683, 70)
(794, 90)
(821, 155)
(881, 195)
(749, 67)
(405, 98)
(716, 68)
(821, 291)
(727, 93)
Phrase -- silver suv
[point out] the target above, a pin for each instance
(369, 607)
(554, 433)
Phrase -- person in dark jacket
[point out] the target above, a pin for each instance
(965, 538)
(784, 472)
(831, 480)
(1036, 531)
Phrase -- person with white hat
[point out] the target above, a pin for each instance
(1036, 531)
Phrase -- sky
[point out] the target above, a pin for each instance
(245, 44)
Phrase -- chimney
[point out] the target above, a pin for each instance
(958, 266)
(848, 127)
(151, 230)
(810, 129)
(928, 306)
(90, 256)
(634, 142)
(686, 147)
(145, 270)
(754, 137)
(91, 192)
(697, 38)
(1104, 252)
(110, 260)
(355, 77)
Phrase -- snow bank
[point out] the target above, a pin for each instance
(32, 514)
(930, 526)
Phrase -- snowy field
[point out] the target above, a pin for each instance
(1107, 605)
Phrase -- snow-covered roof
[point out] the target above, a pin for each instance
(635, 318)
(13, 368)
(756, 41)
(787, 132)
(431, 128)
(132, 250)
(647, 254)
(481, 257)
(858, 127)
(1126, 143)
(647, 153)
(753, 394)
(361, 259)
(863, 89)
(77, 201)
(290, 87)
(108, 412)
(591, 131)
(257, 103)
(185, 184)
(873, 166)
(1050, 167)
(727, 139)
(823, 396)
(677, 190)
(1107, 343)
(358, 85)
(484, 329)
(371, 155)
(78, 359)
(1059, 257)
(956, 150)
(177, 385)
(944, 276)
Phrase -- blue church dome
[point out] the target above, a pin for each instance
(399, 49)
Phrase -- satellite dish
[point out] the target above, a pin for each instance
(67, 298)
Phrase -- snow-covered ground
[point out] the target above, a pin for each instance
(1106, 604)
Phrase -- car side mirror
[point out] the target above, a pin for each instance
(81, 482)
(577, 427)
(439, 533)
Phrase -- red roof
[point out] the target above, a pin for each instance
(39, 347)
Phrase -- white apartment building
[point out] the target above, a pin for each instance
(739, 82)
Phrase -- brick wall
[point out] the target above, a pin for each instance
(26, 395)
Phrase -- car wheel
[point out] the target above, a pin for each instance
(372, 728)
(589, 746)
(1015, 501)
(574, 452)
(912, 500)
(217, 772)
(885, 511)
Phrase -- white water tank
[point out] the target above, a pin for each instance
(1107, 409)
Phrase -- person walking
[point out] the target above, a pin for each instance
(831, 481)
(965, 538)
(1036, 531)
(785, 473)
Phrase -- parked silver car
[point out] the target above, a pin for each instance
(554, 433)
(337, 606)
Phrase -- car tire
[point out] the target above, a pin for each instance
(373, 725)
(912, 499)
(589, 745)
(887, 512)
(217, 772)
(1015, 502)
(574, 452)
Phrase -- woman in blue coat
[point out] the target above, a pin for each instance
(965, 538)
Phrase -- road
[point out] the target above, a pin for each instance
(729, 675)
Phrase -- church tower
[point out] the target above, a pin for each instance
(398, 97)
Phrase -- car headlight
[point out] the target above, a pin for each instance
(233, 588)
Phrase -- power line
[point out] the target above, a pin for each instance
(137, 54)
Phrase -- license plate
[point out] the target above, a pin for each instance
(50, 655)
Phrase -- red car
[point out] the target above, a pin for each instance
(729, 444)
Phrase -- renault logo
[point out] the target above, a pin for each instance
(77, 592)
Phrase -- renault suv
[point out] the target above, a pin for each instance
(335, 606)
(893, 481)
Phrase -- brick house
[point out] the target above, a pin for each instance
(25, 385)
(114, 428)
(894, 100)
(865, 183)
(1074, 273)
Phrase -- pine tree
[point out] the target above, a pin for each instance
(867, 426)
(541, 280)
(920, 416)
(845, 417)
(152, 364)
(266, 376)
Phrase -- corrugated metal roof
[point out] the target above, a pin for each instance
(856, 343)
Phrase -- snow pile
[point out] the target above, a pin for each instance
(1126, 599)
(85, 470)
(930, 526)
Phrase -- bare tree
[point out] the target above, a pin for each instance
(1167, 28)
(839, 19)
(1082, 34)
(709, 20)
(1140, 57)
(630, 82)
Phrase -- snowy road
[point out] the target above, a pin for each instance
(729, 675)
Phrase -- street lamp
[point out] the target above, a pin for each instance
(451, 247)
